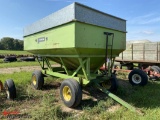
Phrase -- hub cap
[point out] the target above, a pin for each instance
(136, 78)
(34, 80)
(67, 93)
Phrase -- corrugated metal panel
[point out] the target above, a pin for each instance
(92, 16)
(78, 12)
(55, 19)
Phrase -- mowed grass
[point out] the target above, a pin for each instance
(45, 104)
(17, 64)
(21, 63)
(5, 52)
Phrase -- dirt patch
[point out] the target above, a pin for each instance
(114, 108)
(18, 69)
(23, 68)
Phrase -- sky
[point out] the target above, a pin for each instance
(143, 16)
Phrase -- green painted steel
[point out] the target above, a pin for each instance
(90, 36)
(82, 69)
(75, 38)
(49, 40)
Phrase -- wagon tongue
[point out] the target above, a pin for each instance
(116, 98)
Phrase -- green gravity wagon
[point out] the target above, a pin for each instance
(80, 39)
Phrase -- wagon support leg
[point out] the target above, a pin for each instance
(86, 71)
(84, 65)
(64, 66)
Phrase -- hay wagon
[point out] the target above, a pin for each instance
(145, 57)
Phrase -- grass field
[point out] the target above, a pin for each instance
(45, 104)
(18, 64)
(4, 52)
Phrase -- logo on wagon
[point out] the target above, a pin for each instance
(42, 39)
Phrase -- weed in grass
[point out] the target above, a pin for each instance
(92, 112)
(48, 110)
(48, 99)
(49, 113)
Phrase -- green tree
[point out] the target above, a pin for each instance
(1, 46)
(21, 44)
(7, 43)
(16, 44)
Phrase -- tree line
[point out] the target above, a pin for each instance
(8, 43)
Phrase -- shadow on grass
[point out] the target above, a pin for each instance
(140, 96)
(51, 85)
(91, 96)
(94, 92)
(28, 92)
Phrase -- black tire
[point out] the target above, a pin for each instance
(6, 60)
(111, 85)
(27, 58)
(79, 93)
(71, 93)
(138, 77)
(156, 69)
(37, 80)
(10, 89)
(10, 59)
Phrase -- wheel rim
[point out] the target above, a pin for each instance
(67, 93)
(34, 80)
(7, 92)
(136, 78)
